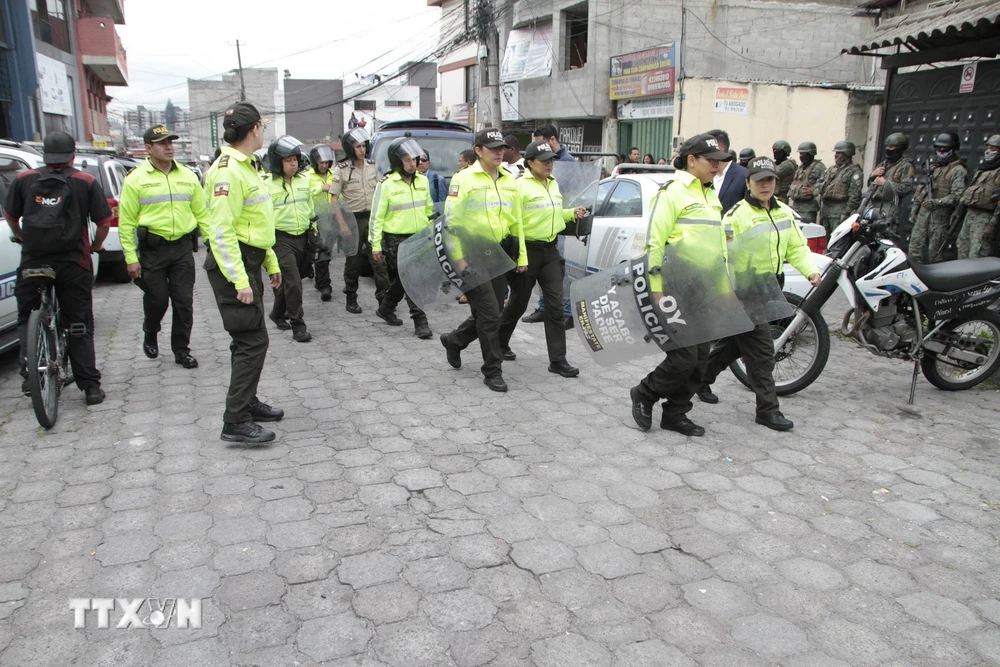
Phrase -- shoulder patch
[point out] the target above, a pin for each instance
(224, 160)
(369, 161)
(342, 164)
(384, 178)
(453, 190)
(221, 190)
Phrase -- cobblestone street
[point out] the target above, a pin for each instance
(408, 516)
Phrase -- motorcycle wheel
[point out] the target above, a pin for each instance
(979, 331)
(803, 357)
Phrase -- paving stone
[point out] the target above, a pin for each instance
(332, 637)
(436, 575)
(534, 617)
(770, 636)
(719, 598)
(639, 537)
(411, 643)
(939, 611)
(811, 574)
(369, 569)
(387, 603)
(569, 649)
(296, 534)
(318, 598)
(128, 548)
(481, 550)
(258, 628)
(609, 560)
(420, 479)
(653, 653)
(242, 558)
(542, 555)
(458, 611)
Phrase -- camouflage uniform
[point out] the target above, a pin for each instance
(805, 205)
(840, 194)
(981, 213)
(786, 172)
(899, 182)
(930, 225)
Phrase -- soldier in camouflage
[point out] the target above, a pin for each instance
(979, 228)
(893, 179)
(786, 168)
(808, 176)
(840, 192)
(935, 200)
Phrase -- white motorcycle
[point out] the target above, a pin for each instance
(935, 315)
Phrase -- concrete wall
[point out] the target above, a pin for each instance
(262, 90)
(383, 113)
(314, 112)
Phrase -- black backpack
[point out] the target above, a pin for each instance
(51, 222)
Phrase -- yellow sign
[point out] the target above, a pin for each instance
(100, 144)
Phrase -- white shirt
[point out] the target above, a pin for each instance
(721, 176)
(516, 169)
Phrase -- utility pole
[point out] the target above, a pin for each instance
(239, 60)
(488, 36)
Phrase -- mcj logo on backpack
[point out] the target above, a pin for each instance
(52, 222)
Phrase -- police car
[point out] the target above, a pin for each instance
(621, 215)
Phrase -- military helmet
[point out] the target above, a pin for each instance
(946, 140)
(282, 147)
(845, 147)
(807, 147)
(321, 153)
(897, 139)
(994, 141)
(747, 154)
(400, 148)
(782, 145)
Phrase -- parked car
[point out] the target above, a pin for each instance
(621, 216)
(442, 139)
(110, 173)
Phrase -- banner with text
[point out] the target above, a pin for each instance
(643, 73)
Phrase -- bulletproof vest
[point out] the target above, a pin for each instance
(785, 177)
(801, 178)
(837, 180)
(893, 174)
(984, 184)
(942, 177)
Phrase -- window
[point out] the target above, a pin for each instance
(575, 34)
(9, 169)
(471, 83)
(625, 201)
(397, 103)
(364, 105)
(602, 193)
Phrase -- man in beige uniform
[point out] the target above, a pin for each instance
(358, 178)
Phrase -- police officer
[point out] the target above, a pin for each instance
(979, 227)
(356, 182)
(686, 211)
(321, 178)
(781, 150)
(487, 201)
(163, 204)
(761, 213)
(892, 179)
(294, 217)
(543, 218)
(746, 155)
(840, 191)
(241, 236)
(935, 200)
(808, 176)
(402, 207)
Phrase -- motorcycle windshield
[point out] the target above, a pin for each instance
(754, 276)
(338, 227)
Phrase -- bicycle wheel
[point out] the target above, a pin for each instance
(43, 372)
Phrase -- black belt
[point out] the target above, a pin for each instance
(539, 245)
(289, 235)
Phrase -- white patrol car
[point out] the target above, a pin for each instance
(621, 216)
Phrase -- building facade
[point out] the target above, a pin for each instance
(209, 99)
(411, 93)
(101, 62)
(18, 76)
(314, 109)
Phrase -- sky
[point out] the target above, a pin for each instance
(316, 39)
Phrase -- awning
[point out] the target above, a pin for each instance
(954, 23)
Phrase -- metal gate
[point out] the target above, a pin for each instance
(652, 136)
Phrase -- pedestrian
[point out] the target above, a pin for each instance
(438, 185)
(746, 155)
(730, 182)
(550, 134)
(58, 237)
(840, 190)
(647, 158)
(809, 174)
(892, 179)
(633, 155)
(352, 122)
(356, 184)
(322, 177)
(686, 212)
(786, 167)
(401, 208)
(162, 205)
(294, 218)
(498, 217)
(543, 218)
(662, 161)
(512, 160)
(979, 225)
(760, 212)
(935, 199)
(241, 233)
(466, 158)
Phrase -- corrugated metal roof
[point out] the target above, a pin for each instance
(942, 25)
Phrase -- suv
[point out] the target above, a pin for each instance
(110, 173)
(442, 139)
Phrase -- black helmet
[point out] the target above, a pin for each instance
(897, 139)
(355, 137)
(321, 153)
(807, 147)
(845, 147)
(282, 147)
(747, 154)
(946, 140)
(994, 141)
(400, 148)
(782, 145)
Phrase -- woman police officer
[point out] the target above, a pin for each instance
(760, 213)
(543, 218)
(241, 235)
(687, 214)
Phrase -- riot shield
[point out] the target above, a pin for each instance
(338, 227)
(757, 290)
(446, 255)
(578, 183)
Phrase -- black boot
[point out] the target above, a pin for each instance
(453, 352)
(564, 369)
(775, 421)
(642, 412)
(389, 316)
(263, 412)
(705, 395)
(422, 330)
(352, 304)
(537, 316)
(326, 294)
(150, 347)
(185, 359)
(681, 424)
(246, 432)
